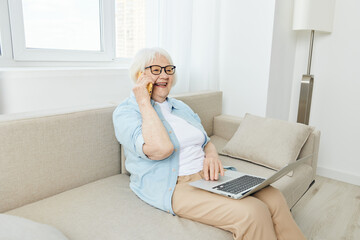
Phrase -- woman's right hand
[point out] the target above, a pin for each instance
(140, 91)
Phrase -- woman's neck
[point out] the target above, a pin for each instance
(159, 99)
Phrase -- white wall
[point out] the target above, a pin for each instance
(36, 89)
(336, 95)
(281, 62)
(2, 106)
(33, 90)
(257, 52)
(246, 31)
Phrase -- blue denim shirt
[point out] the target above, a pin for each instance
(153, 181)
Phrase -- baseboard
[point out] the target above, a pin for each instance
(338, 175)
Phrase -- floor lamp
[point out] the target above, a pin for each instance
(313, 15)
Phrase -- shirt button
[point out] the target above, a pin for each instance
(170, 189)
(173, 169)
(168, 211)
(170, 132)
(175, 150)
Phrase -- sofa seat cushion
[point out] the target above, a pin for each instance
(292, 187)
(18, 228)
(108, 209)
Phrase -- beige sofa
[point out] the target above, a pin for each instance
(64, 168)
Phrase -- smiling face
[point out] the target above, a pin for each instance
(163, 82)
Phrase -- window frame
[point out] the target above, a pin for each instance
(21, 53)
(5, 39)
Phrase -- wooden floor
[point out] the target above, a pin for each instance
(330, 210)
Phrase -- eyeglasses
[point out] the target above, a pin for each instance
(156, 69)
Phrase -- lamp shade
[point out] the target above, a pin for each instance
(315, 15)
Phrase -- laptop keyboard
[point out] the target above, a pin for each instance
(240, 184)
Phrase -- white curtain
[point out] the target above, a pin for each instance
(189, 31)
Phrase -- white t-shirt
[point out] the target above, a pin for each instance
(191, 139)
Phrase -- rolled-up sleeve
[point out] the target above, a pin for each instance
(139, 146)
(128, 129)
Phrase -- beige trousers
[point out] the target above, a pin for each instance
(265, 215)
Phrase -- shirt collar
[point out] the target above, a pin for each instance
(173, 103)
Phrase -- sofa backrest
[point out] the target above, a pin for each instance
(206, 104)
(43, 154)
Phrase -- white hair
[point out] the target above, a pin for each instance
(144, 57)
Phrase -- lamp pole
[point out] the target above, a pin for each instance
(307, 83)
(310, 51)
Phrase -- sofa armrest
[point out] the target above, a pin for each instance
(311, 146)
(225, 126)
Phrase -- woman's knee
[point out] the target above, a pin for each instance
(272, 197)
(256, 222)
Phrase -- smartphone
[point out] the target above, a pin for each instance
(149, 86)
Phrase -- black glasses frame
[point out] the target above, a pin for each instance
(161, 68)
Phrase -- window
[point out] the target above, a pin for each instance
(68, 25)
(76, 32)
(62, 30)
(5, 40)
(130, 27)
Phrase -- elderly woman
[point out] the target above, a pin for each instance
(166, 147)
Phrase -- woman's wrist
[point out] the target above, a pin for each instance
(211, 154)
(144, 103)
(210, 150)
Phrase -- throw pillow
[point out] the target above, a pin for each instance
(268, 142)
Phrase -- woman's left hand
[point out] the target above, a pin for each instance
(212, 165)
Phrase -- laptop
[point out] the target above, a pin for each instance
(238, 185)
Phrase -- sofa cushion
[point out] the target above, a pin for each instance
(18, 228)
(108, 209)
(269, 142)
